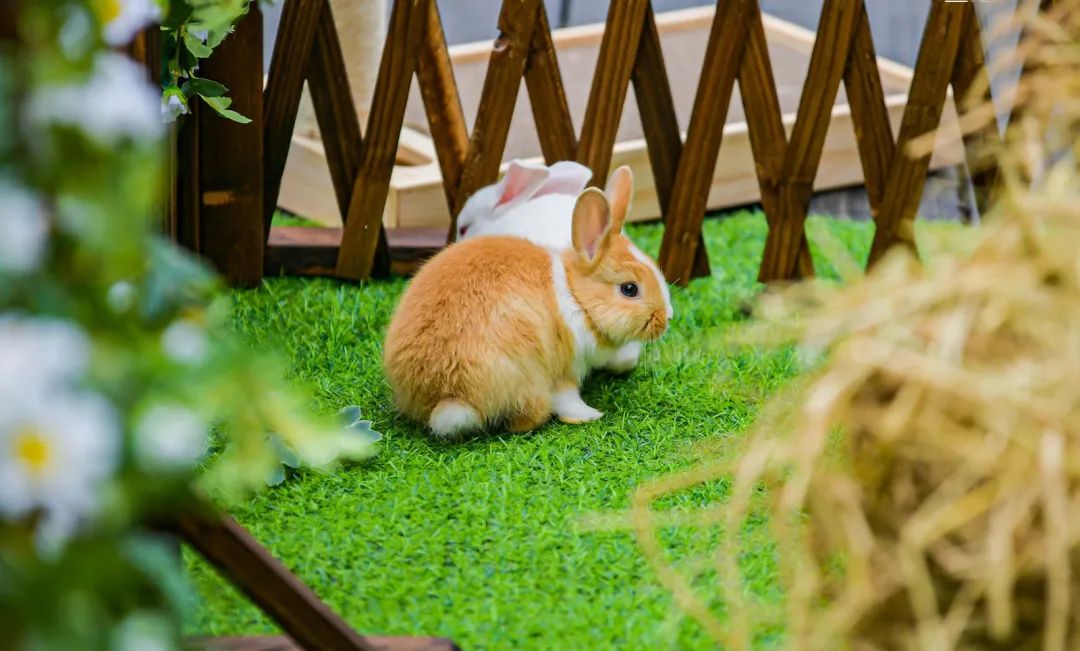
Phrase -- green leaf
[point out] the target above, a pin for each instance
(277, 476)
(195, 45)
(362, 428)
(175, 280)
(205, 88)
(349, 415)
(156, 559)
(284, 452)
(221, 107)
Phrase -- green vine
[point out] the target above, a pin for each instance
(191, 30)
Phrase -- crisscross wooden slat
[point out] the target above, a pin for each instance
(363, 236)
(786, 168)
(660, 123)
(284, 85)
(497, 99)
(869, 114)
(971, 89)
(689, 196)
(607, 96)
(334, 108)
(547, 96)
(944, 31)
(446, 119)
(765, 123)
(828, 60)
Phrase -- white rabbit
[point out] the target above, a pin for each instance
(536, 203)
(532, 201)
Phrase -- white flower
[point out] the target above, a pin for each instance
(121, 296)
(124, 18)
(115, 102)
(24, 228)
(184, 342)
(55, 456)
(143, 631)
(170, 437)
(172, 106)
(39, 356)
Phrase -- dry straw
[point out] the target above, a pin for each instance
(924, 492)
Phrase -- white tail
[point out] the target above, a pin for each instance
(452, 418)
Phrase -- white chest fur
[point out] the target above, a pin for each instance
(586, 351)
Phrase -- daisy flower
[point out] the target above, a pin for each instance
(123, 19)
(170, 437)
(24, 228)
(115, 103)
(39, 356)
(55, 457)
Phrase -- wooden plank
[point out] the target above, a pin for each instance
(765, 121)
(501, 85)
(283, 643)
(186, 180)
(363, 246)
(442, 104)
(926, 101)
(622, 31)
(267, 582)
(1029, 63)
(971, 89)
(9, 20)
(288, 66)
(328, 83)
(652, 90)
(551, 112)
(723, 57)
(313, 251)
(787, 236)
(231, 232)
(869, 112)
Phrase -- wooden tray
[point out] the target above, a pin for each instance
(416, 198)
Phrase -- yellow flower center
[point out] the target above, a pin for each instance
(109, 10)
(33, 450)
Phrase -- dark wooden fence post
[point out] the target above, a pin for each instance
(230, 159)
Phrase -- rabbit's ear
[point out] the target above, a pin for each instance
(519, 185)
(592, 226)
(566, 177)
(619, 190)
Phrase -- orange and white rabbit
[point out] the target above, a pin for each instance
(498, 330)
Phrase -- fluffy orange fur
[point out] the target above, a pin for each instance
(481, 326)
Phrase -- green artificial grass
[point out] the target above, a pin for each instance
(481, 541)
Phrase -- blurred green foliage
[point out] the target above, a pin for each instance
(123, 398)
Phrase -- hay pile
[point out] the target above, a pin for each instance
(925, 492)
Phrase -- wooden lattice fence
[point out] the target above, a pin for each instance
(231, 220)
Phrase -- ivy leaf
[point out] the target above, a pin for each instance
(221, 107)
(178, 12)
(205, 88)
(195, 45)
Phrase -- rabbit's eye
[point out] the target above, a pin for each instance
(461, 231)
(629, 290)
